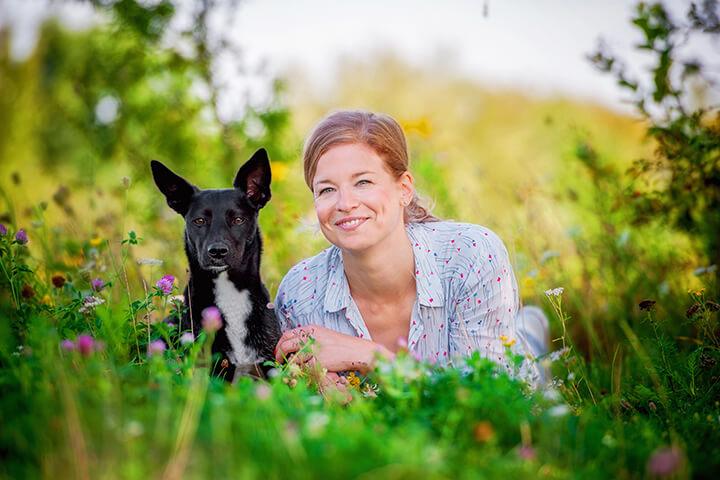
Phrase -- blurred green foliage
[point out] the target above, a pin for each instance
(80, 120)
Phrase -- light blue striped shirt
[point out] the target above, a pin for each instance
(467, 295)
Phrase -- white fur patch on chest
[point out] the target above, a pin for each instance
(235, 306)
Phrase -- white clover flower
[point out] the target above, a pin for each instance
(149, 261)
(557, 354)
(555, 292)
(559, 410)
(89, 303)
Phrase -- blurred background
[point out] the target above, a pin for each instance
(528, 117)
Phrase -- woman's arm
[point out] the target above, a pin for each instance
(332, 350)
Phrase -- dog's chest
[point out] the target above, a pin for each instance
(236, 307)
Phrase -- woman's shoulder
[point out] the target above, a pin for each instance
(446, 236)
(304, 282)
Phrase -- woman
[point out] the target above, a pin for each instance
(395, 275)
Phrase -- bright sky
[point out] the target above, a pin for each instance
(537, 45)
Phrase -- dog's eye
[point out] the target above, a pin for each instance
(238, 220)
(199, 221)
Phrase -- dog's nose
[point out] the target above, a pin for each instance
(217, 250)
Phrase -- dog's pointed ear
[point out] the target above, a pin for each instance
(253, 178)
(176, 189)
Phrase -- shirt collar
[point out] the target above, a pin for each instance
(427, 278)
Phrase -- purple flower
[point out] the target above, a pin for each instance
(3, 230)
(97, 284)
(85, 344)
(165, 284)
(526, 452)
(211, 319)
(186, 338)
(21, 237)
(67, 345)
(156, 347)
(665, 462)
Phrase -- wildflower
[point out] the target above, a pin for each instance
(126, 181)
(664, 462)
(97, 284)
(509, 343)
(95, 241)
(186, 338)
(89, 303)
(3, 230)
(58, 281)
(647, 305)
(554, 292)
(316, 422)
(156, 347)
(353, 380)
(165, 284)
(46, 300)
(557, 354)
(696, 292)
(483, 431)
(527, 452)
(558, 410)
(370, 391)
(211, 319)
(263, 391)
(67, 345)
(153, 262)
(402, 343)
(85, 344)
(21, 237)
(27, 291)
(528, 282)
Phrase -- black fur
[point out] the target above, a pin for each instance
(215, 242)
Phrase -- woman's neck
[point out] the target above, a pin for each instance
(384, 272)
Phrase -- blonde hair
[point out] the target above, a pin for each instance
(382, 133)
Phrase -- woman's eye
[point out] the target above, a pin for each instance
(325, 190)
(238, 220)
(199, 221)
(364, 182)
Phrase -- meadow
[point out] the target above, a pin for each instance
(87, 241)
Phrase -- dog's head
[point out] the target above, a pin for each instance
(219, 224)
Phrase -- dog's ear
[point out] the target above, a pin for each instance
(253, 178)
(176, 189)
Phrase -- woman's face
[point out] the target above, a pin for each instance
(358, 202)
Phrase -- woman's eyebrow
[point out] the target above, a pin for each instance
(354, 175)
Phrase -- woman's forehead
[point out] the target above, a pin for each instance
(348, 160)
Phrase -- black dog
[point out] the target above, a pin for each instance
(223, 246)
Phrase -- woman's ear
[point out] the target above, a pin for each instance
(407, 189)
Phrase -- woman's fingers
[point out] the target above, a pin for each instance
(292, 340)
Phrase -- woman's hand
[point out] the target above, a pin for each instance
(332, 350)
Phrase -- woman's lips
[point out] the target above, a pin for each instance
(349, 224)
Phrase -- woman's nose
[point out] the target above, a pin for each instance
(346, 200)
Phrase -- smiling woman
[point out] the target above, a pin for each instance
(396, 275)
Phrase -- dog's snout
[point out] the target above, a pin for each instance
(218, 250)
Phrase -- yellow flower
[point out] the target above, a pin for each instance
(279, 170)
(528, 282)
(46, 300)
(510, 343)
(96, 241)
(353, 380)
(503, 338)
